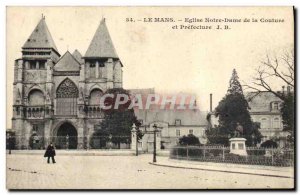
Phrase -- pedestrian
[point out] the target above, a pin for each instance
(50, 152)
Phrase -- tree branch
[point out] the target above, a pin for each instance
(282, 69)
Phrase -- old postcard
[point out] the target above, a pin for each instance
(150, 98)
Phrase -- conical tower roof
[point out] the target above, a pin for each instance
(40, 37)
(101, 45)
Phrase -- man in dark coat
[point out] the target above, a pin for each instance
(50, 152)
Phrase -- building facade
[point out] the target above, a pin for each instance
(173, 125)
(56, 98)
(265, 109)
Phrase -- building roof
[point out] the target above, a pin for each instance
(261, 101)
(40, 37)
(193, 117)
(77, 55)
(188, 117)
(101, 45)
(67, 63)
(142, 91)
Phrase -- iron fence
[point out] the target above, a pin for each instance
(221, 154)
(36, 142)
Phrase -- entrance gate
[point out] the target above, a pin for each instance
(66, 137)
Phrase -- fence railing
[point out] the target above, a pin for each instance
(220, 154)
(38, 142)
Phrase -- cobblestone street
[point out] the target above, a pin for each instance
(121, 172)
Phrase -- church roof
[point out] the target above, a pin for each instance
(40, 37)
(67, 63)
(77, 55)
(101, 45)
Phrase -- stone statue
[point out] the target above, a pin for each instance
(238, 130)
(48, 96)
(81, 94)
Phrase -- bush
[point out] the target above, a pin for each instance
(190, 140)
(258, 151)
(269, 144)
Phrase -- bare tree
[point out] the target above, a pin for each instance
(271, 72)
(274, 69)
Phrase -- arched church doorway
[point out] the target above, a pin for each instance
(66, 137)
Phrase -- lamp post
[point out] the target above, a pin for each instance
(136, 139)
(9, 144)
(154, 141)
(154, 147)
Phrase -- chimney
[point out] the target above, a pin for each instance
(288, 88)
(283, 89)
(210, 101)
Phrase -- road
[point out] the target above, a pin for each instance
(122, 172)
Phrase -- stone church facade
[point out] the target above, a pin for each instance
(56, 98)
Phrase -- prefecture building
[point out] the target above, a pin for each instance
(173, 123)
(264, 108)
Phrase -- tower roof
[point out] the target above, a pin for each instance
(40, 37)
(101, 45)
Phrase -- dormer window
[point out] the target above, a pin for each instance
(177, 122)
(275, 106)
(141, 122)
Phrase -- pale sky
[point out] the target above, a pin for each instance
(153, 54)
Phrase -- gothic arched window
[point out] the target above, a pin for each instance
(95, 96)
(66, 98)
(36, 97)
(67, 89)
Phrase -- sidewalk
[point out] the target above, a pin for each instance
(90, 152)
(272, 171)
(111, 152)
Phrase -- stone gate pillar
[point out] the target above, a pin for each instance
(80, 134)
(133, 138)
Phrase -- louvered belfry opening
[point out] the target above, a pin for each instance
(66, 98)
